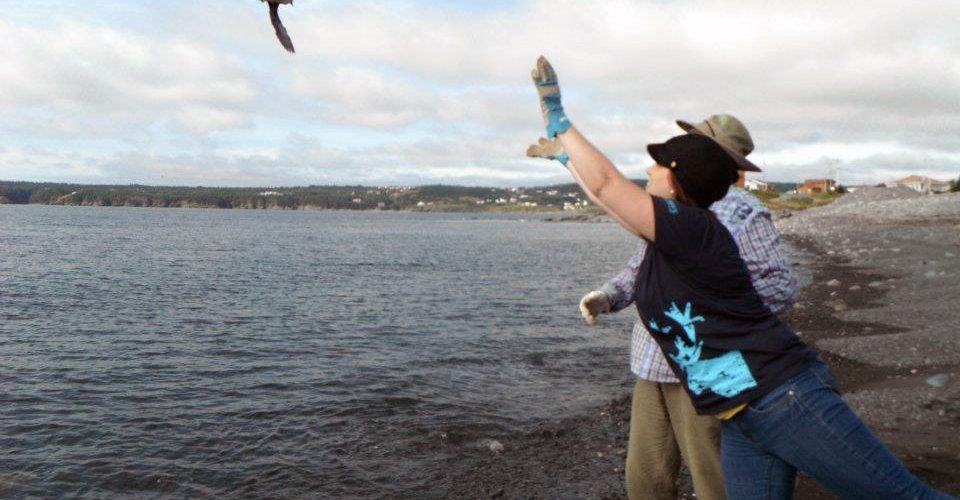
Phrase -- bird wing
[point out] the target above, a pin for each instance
(278, 27)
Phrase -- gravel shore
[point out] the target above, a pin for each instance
(883, 310)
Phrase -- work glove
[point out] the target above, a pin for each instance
(551, 149)
(545, 79)
(594, 304)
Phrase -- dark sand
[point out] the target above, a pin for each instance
(879, 313)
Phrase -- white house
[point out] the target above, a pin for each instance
(922, 184)
(755, 185)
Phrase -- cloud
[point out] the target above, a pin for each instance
(799, 74)
(413, 90)
(98, 81)
(45, 165)
(299, 160)
(363, 97)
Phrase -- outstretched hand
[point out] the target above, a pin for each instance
(550, 149)
(594, 304)
(545, 79)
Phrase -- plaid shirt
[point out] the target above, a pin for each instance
(751, 226)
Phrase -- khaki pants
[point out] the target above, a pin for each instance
(664, 425)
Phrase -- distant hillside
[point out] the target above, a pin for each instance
(425, 198)
(555, 197)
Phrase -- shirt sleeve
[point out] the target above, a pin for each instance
(766, 262)
(620, 288)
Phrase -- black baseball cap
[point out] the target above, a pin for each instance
(703, 168)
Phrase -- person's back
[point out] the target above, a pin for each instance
(802, 423)
(695, 296)
(664, 425)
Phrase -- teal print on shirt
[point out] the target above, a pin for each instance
(727, 375)
(672, 207)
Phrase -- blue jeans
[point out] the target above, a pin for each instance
(805, 425)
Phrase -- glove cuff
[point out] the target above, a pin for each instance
(613, 295)
(557, 121)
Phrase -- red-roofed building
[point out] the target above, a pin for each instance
(816, 186)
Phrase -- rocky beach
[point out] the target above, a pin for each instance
(882, 309)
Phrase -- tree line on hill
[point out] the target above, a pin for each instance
(425, 198)
(434, 197)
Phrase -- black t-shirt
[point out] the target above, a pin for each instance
(696, 299)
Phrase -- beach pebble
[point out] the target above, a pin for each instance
(854, 288)
(839, 306)
(875, 284)
(490, 444)
(939, 380)
(930, 274)
(833, 282)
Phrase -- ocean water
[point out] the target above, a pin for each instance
(155, 353)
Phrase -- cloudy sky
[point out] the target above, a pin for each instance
(200, 93)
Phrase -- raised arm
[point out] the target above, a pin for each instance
(630, 204)
(551, 149)
(616, 293)
(625, 201)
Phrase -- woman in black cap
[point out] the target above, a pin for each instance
(736, 359)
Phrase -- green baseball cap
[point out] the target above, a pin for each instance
(730, 133)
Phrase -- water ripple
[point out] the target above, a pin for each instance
(212, 354)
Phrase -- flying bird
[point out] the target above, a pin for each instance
(277, 25)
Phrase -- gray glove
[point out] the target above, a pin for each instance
(551, 149)
(545, 78)
(594, 304)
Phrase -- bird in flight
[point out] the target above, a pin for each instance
(277, 25)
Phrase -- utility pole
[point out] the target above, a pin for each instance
(834, 171)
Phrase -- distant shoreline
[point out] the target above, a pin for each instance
(557, 214)
(567, 197)
(435, 198)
